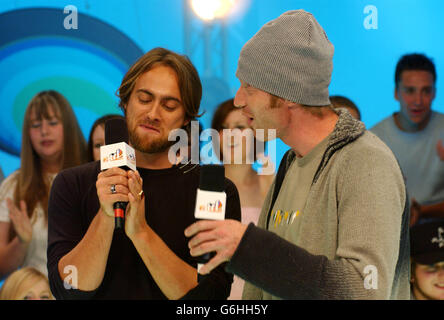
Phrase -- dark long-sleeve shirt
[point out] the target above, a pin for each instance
(170, 196)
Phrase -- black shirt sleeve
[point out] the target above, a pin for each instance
(73, 204)
(65, 231)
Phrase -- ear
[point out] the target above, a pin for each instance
(124, 109)
(396, 94)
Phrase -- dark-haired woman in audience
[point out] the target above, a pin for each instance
(97, 136)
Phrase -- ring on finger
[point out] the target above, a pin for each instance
(113, 188)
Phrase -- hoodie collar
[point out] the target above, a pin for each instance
(347, 129)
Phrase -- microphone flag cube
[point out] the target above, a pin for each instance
(117, 155)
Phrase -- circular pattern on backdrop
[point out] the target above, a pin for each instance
(37, 53)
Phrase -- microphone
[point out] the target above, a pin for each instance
(211, 200)
(117, 153)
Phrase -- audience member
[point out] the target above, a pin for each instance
(149, 259)
(427, 258)
(26, 284)
(49, 127)
(413, 133)
(426, 212)
(337, 212)
(343, 102)
(96, 137)
(252, 187)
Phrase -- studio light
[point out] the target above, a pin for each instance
(209, 10)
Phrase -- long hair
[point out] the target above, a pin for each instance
(18, 281)
(32, 186)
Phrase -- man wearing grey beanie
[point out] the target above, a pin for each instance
(334, 224)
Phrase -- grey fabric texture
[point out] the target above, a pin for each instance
(289, 57)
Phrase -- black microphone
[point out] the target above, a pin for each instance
(117, 153)
(210, 200)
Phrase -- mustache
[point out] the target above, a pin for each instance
(147, 122)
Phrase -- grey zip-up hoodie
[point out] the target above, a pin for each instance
(352, 242)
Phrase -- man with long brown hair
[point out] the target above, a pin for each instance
(88, 260)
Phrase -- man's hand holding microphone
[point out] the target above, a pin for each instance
(119, 185)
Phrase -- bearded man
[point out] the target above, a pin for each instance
(149, 260)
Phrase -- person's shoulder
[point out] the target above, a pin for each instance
(370, 141)
(369, 148)
(11, 178)
(438, 113)
(383, 124)
(82, 172)
(8, 184)
(439, 116)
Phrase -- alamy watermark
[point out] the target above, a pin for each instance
(71, 20)
(371, 20)
(188, 146)
(71, 280)
(371, 278)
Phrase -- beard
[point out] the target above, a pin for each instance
(158, 145)
(147, 145)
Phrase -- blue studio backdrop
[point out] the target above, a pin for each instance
(42, 47)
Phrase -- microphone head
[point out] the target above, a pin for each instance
(116, 131)
(212, 178)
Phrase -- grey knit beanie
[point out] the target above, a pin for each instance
(290, 57)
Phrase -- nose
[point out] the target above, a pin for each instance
(418, 98)
(154, 112)
(239, 98)
(44, 128)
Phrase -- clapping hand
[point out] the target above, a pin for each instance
(20, 220)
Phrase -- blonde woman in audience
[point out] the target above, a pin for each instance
(251, 186)
(26, 284)
(51, 141)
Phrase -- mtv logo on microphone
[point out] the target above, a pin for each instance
(117, 155)
(210, 205)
